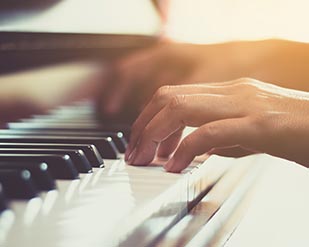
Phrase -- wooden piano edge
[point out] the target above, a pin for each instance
(170, 207)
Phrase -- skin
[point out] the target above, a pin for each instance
(243, 115)
(23, 93)
(139, 75)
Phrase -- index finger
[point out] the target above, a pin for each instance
(160, 100)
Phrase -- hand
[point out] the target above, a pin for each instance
(138, 75)
(134, 78)
(244, 113)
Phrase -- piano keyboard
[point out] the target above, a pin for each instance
(64, 183)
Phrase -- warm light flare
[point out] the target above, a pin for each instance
(209, 21)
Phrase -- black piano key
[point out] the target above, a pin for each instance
(78, 157)
(39, 171)
(117, 137)
(3, 203)
(60, 124)
(90, 151)
(105, 145)
(17, 184)
(60, 166)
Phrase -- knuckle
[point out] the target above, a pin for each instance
(162, 93)
(177, 102)
(245, 80)
(211, 131)
(249, 87)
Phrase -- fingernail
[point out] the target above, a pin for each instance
(131, 157)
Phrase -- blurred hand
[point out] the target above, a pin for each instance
(134, 79)
(243, 114)
(23, 94)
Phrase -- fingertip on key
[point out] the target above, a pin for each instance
(174, 166)
(131, 157)
(169, 165)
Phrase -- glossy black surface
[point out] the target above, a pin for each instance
(117, 137)
(60, 166)
(39, 171)
(18, 184)
(78, 157)
(3, 203)
(105, 145)
(89, 150)
(69, 125)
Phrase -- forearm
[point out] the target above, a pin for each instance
(284, 63)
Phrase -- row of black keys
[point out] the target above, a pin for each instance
(31, 160)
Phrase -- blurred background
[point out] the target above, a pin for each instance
(53, 52)
(226, 20)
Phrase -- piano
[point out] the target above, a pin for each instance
(63, 178)
(65, 183)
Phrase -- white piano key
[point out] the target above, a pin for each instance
(118, 205)
(111, 205)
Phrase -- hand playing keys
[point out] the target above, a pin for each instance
(232, 117)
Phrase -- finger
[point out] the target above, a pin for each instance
(121, 90)
(127, 71)
(222, 83)
(162, 97)
(166, 93)
(183, 110)
(147, 74)
(127, 77)
(225, 133)
(168, 146)
(200, 79)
